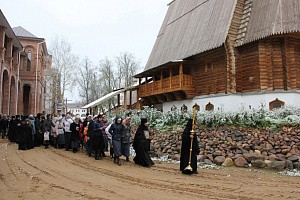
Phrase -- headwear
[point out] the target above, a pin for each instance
(95, 116)
(99, 116)
(143, 121)
(31, 117)
(90, 116)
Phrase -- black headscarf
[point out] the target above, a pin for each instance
(188, 127)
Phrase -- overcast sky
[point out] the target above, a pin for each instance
(94, 28)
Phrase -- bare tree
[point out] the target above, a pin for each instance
(85, 80)
(127, 67)
(65, 62)
(107, 78)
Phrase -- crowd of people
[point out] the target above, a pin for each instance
(95, 135)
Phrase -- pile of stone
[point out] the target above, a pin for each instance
(239, 147)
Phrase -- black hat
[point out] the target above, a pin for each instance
(144, 120)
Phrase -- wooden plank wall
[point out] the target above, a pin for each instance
(209, 72)
(297, 62)
(247, 69)
(279, 63)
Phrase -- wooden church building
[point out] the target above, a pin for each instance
(225, 54)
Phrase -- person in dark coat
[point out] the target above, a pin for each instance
(17, 128)
(185, 150)
(116, 130)
(97, 138)
(4, 126)
(90, 134)
(44, 132)
(49, 125)
(25, 137)
(140, 145)
(75, 135)
(11, 129)
(39, 134)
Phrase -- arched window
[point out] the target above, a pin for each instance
(276, 104)
(29, 55)
(209, 107)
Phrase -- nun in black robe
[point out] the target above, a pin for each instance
(140, 145)
(185, 150)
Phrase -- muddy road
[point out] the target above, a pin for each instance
(58, 174)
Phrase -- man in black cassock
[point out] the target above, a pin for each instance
(185, 150)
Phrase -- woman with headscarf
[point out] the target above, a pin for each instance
(140, 145)
(25, 139)
(60, 133)
(67, 123)
(75, 134)
(126, 135)
(185, 150)
(116, 130)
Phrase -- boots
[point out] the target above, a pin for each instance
(118, 161)
(97, 155)
(111, 152)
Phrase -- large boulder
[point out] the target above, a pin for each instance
(219, 160)
(253, 156)
(258, 163)
(228, 162)
(289, 165)
(241, 162)
(277, 165)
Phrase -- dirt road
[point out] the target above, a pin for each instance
(58, 174)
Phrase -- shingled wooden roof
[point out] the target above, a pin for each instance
(192, 27)
(272, 17)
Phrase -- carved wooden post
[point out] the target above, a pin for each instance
(180, 75)
(170, 78)
(161, 80)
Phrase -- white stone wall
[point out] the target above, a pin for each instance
(237, 102)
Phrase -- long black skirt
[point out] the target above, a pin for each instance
(142, 156)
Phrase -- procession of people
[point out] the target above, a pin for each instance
(95, 135)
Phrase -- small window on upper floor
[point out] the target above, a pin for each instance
(276, 104)
(29, 55)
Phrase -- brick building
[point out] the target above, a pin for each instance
(24, 57)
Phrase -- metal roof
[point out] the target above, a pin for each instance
(191, 27)
(100, 100)
(22, 32)
(272, 17)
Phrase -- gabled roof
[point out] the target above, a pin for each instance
(9, 31)
(22, 32)
(272, 17)
(191, 27)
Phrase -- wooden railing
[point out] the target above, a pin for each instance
(175, 83)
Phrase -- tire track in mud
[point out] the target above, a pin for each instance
(58, 174)
(158, 184)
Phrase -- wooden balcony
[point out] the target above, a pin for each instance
(167, 85)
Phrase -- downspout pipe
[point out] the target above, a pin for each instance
(18, 79)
